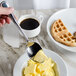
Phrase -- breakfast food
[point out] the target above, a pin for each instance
(43, 67)
(61, 34)
(74, 35)
(40, 57)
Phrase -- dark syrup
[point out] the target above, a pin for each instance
(29, 24)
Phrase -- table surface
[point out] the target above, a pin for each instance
(9, 55)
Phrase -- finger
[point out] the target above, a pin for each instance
(6, 11)
(8, 20)
(4, 16)
(1, 25)
(2, 21)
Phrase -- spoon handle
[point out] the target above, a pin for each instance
(4, 4)
(15, 21)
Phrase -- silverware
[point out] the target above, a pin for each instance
(32, 47)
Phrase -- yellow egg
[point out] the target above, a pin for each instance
(47, 68)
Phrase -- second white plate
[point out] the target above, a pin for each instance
(68, 16)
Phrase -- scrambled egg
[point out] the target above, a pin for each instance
(43, 67)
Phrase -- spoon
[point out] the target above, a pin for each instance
(32, 47)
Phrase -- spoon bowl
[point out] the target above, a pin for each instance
(32, 50)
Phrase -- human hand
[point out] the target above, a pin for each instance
(4, 12)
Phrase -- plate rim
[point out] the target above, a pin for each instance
(15, 66)
(50, 36)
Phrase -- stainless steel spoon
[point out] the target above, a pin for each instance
(32, 47)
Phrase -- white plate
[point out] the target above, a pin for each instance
(68, 16)
(22, 62)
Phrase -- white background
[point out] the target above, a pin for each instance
(28, 4)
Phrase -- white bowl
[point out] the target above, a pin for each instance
(22, 62)
(68, 16)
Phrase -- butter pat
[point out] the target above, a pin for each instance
(30, 44)
(28, 74)
(48, 73)
(46, 65)
(30, 69)
(40, 57)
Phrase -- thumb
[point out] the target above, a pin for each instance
(6, 11)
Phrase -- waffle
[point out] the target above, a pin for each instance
(61, 34)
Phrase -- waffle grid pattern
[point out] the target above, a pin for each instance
(62, 33)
